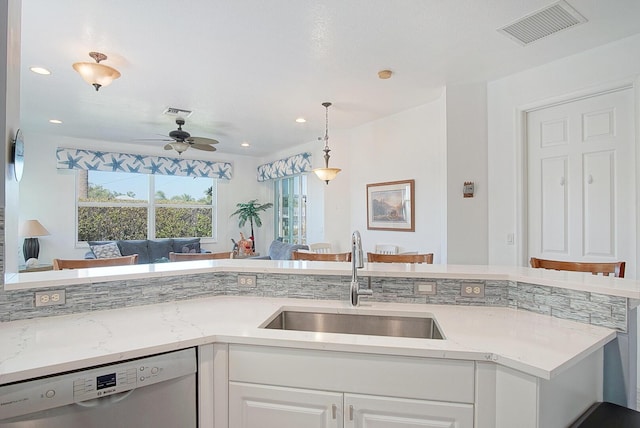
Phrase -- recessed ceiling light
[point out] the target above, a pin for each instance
(56, 121)
(245, 144)
(40, 70)
(301, 120)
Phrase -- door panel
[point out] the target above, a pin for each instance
(581, 180)
(364, 411)
(263, 406)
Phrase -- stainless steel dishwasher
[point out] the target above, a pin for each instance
(156, 391)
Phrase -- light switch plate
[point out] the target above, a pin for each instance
(425, 288)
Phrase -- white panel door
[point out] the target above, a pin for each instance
(264, 406)
(581, 180)
(365, 411)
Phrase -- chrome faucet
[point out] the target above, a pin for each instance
(357, 262)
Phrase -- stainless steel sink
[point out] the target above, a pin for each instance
(377, 325)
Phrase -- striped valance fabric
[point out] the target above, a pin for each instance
(142, 164)
(285, 167)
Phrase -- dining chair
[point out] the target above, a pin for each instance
(180, 257)
(386, 249)
(323, 257)
(604, 268)
(59, 264)
(400, 258)
(320, 247)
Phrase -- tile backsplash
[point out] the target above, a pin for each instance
(585, 307)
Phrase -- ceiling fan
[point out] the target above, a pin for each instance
(181, 140)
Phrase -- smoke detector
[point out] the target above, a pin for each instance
(173, 111)
(545, 22)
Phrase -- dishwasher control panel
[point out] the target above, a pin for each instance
(59, 390)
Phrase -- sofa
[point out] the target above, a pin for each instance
(148, 250)
(279, 250)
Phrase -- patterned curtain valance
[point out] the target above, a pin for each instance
(285, 167)
(142, 164)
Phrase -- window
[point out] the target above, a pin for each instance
(290, 209)
(118, 205)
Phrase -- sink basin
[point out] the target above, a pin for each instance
(376, 325)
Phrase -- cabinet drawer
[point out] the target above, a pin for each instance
(411, 377)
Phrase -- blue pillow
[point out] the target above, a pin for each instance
(186, 245)
(160, 249)
(128, 248)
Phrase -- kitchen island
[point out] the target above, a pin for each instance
(552, 362)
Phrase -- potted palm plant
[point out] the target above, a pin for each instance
(250, 211)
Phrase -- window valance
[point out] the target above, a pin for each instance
(142, 164)
(285, 167)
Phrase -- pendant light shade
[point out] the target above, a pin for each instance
(326, 174)
(96, 74)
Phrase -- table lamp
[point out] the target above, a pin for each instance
(30, 229)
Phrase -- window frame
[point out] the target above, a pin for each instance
(301, 194)
(151, 206)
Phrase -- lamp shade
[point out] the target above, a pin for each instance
(32, 228)
(96, 74)
(326, 174)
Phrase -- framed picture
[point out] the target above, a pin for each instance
(391, 206)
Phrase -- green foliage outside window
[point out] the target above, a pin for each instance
(111, 223)
(99, 219)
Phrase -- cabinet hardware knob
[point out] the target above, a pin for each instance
(334, 411)
(350, 412)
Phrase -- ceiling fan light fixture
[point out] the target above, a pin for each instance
(326, 174)
(96, 74)
(179, 146)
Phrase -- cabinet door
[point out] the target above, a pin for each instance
(264, 406)
(364, 411)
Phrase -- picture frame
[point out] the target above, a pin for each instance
(391, 206)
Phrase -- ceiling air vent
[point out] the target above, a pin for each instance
(557, 17)
(172, 111)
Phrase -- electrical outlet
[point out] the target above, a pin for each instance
(49, 298)
(472, 289)
(247, 280)
(428, 288)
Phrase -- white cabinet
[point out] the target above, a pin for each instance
(389, 412)
(280, 387)
(267, 406)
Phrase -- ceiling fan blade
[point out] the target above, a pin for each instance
(205, 147)
(202, 140)
(154, 139)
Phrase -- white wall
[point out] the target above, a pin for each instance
(467, 161)
(576, 74)
(10, 13)
(407, 145)
(48, 194)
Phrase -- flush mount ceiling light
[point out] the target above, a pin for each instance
(326, 174)
(40, 70)
(96, 74)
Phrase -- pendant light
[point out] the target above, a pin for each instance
(326, 174)
(96, 74)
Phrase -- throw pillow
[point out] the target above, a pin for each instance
(106, 251)
(139, 247)
(186, 245)
(159, 249)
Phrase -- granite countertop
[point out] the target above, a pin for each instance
(582, 281)
(535, 344)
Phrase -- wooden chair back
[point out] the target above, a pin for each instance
(604, 268)
(386, 249)
(323, 257)
(400, 258)
(320, 247)
(59, 264)
(180, 257)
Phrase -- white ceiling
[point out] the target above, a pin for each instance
(249, 68)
